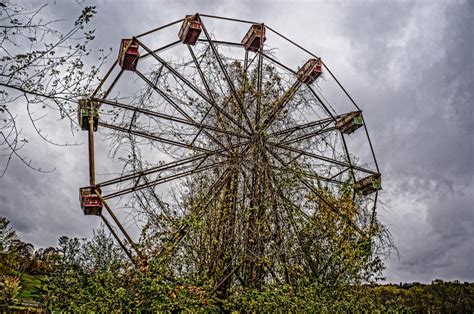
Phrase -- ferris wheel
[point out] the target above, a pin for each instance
(217, 116)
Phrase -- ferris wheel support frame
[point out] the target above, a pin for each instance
(205, 129)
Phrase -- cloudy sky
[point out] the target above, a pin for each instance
(409, 65)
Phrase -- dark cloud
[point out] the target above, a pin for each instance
(408, 65)
(420, 58)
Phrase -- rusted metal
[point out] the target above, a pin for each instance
(173, 103)
(87, 108)
(162, 180)
(255, 37)
(129, 54)
(119, 224)
(213, 102)
(227, 77)
(90, 202)
(282, 102)
(117, 238)
(155, 137)
(102, 81)
(324, 199)
(168, 117)
(351, 122)
(280, 140)
(310, 71)
(369, 185)
(91, 148)
(320, 157)
(190, 30)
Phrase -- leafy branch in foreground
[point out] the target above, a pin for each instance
(43, 69)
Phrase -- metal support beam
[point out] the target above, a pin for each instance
(155, 137)
(162, 180)
(119, 224)
(169, 117)
(322, 198)
(226, 75)
(175, 106)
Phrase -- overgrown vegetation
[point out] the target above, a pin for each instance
(82, 275)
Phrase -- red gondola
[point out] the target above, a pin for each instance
(254, 38)
(310, 71)
(190, 30)
(128, 57)
(90, 202)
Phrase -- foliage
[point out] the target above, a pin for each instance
(437, 297)
(85, 273)
(9, 290)
(94, 276)
(43, 67)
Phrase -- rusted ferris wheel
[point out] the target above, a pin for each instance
(231, 121)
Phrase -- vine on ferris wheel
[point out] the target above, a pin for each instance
(133, 50)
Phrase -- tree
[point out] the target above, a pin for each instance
(15, 258)
(86, 274)
(42, 68)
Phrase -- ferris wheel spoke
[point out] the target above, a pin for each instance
(299, 127)
(175, 106)
(322, 198)
(259, 84)
(104, 79)
(307, 174)
(172, 177)
(167, 117)
(293, 223)
(117, 238)
(112, 84)
(119, 224)
(279, 64)
(157, 138)
(209, 99)
(145, 172)
(323, 158)
(213, 102)
(164, 167)
(175, 72)
(283, 101)
(227, 77)
(323, 129)
(339, 173)
(321, 103)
